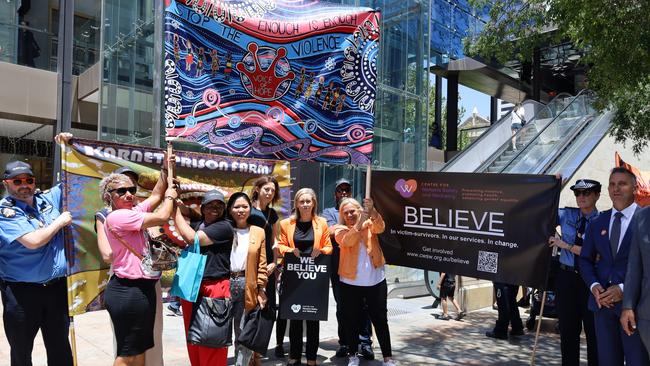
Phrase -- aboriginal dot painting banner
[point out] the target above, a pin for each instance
(489, 226)
(86, 162)
(272, 79)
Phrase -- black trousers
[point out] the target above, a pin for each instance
(365, 326)
(28, 307)
(280, 324)
(354, 298)
(295, 339)
(507, 309)
(572, 295)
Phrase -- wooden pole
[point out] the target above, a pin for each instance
(539, 326)
(170, 166)
(368, 176)
(73, 342)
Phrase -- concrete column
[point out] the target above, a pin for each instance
(452, 112)
(64, 77)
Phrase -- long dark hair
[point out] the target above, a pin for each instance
(231, 202)
(261, 181)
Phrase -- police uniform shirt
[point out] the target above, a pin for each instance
(17, 262)
(569, 218)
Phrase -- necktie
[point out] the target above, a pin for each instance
(615, 235)
(582, 224)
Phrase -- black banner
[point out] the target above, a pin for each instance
(490, 226)
(305, 287)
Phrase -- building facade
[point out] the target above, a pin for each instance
(116, 45)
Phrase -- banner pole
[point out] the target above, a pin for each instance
(170, 166)
(66, 232)
(368, 176)
(539, 326)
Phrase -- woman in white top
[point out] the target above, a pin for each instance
(248, 269)
(361, 269)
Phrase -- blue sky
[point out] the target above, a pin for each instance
(470, 98)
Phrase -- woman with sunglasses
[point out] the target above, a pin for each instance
(247, 267)
(130, 294)
(304, 233)
(265, 194)
(361, 269)
(215, 236)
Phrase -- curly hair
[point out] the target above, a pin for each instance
(107, 184)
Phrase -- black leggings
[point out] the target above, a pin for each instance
(375, 296)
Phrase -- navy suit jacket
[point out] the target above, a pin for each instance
(597, 264)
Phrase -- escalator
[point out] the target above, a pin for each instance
(557, 140)
(494, 139)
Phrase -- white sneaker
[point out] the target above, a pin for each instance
(389, 363)
(353, 361)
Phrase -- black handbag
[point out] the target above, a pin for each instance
(211, 323)
(256, 333)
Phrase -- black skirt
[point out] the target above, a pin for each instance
(132, 307)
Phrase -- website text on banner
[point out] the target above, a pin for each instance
(88, 161)
(277, 80)
(490, 226)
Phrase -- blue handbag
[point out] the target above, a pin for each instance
(189, 272)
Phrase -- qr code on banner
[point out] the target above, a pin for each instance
(487, 261)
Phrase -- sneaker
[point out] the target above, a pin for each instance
(460, 315)
(176, 311)
(353, 361)
(389, 363)
(367, 353)
(342, 351)
(492, 334)
(279, 351)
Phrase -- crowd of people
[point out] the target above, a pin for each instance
(602, 285)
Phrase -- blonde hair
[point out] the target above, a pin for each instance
(347, 201)
(107, 184)
(302, 192)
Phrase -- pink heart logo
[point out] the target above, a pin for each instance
(406, 188)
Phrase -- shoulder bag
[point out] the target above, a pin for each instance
(211, 323)
(189, 272)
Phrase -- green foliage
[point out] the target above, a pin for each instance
(614, 36)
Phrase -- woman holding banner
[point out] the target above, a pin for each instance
(215, 237)
(304, 233)
(361, 269)
(247, 268)
(131, 292)
(266, 193)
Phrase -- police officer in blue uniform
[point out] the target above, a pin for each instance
(571, 291)
(33, 267)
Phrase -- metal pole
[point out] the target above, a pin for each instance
(64, 77)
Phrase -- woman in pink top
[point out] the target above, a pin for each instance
(130, 294)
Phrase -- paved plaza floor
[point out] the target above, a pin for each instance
(418, 338)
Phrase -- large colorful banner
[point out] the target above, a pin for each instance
(272, 79)
(86, 162)
(490, 226)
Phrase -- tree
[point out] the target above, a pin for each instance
(615, 39)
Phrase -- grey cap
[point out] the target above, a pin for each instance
(16, 168)
(583, 184)
(213, 195)
(342, 181)
(126, 170)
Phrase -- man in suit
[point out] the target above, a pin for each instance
(603, 264)
(636, 300)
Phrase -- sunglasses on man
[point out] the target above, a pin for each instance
(343, 190)
(18, 181)
(582, 193)
(122, 190)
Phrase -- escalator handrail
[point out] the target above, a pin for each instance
(485, 134)
(583, 91)
(568, 141)
(498, 152)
